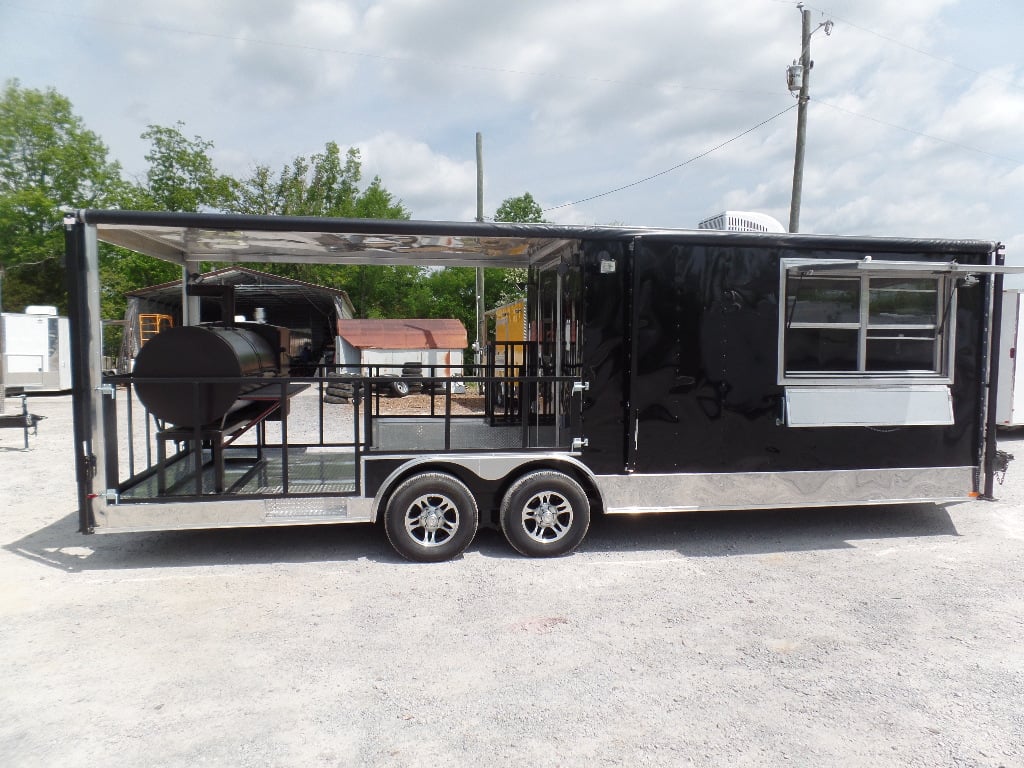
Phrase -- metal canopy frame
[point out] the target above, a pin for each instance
(920, 267)
(254, 242)
(184, 238)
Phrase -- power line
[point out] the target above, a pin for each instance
(676, 167)
(921, 51)
(957, 144)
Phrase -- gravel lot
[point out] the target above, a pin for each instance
(844, 637)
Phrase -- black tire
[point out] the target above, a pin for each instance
(431, 517)
(545, 514)
(340, 391)
(335, 399)
(399, 388)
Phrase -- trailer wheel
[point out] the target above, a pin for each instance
(431, 517)
(545, 514)
(399, 388)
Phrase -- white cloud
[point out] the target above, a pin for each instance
(432, 185)
(574, 99)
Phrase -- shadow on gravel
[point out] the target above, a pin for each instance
(61, 546)
(705, 534)
(757, 532)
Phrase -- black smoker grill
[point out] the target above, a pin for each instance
(245, 352)
(206, 385)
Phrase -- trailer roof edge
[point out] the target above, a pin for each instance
(533, 231)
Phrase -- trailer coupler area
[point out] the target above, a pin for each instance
(24, 420)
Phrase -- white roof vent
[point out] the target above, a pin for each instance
(742, 221)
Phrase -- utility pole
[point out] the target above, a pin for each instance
(481, 316)
(801, 118)
(798, 77)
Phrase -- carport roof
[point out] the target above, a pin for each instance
(252, 287)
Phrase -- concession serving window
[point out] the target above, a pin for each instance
(868, 343)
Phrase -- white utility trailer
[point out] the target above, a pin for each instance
(36, 350)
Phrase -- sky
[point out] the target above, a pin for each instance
(649, 113)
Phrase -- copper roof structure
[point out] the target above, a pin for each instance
(404, 334)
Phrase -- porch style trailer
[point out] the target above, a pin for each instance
(665, 371)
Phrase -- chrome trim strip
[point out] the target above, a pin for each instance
(628, 494)
(226, 513)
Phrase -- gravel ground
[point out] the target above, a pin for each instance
(844, 637)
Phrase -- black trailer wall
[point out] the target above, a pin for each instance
(698, 325)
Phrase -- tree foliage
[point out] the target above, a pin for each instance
(521, 209)
(48, 159)
(524, 210)
(320, 185)
(181, 175)
(324, 184)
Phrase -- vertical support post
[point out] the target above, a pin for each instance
(995, 333)
(801, 121)
(190, 312)
(76, 273)
(481, 316)
(556, 387)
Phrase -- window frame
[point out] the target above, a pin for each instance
(864, 271)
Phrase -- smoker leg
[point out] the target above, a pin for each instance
(217, 448)
(161, 461)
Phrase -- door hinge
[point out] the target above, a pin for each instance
(580, 386)
(579, 443)
(107, 389)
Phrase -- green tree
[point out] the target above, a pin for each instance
(181, 175)
(325, 184)
(520, 209)
(321, 185)
(48, 159)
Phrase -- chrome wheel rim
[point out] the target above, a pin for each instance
(432, 520)
(547, 517)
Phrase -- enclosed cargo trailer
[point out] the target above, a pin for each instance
(667, 370)
(1010, 393)
(35, 351)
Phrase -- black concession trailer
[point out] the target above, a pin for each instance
(663, 371)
